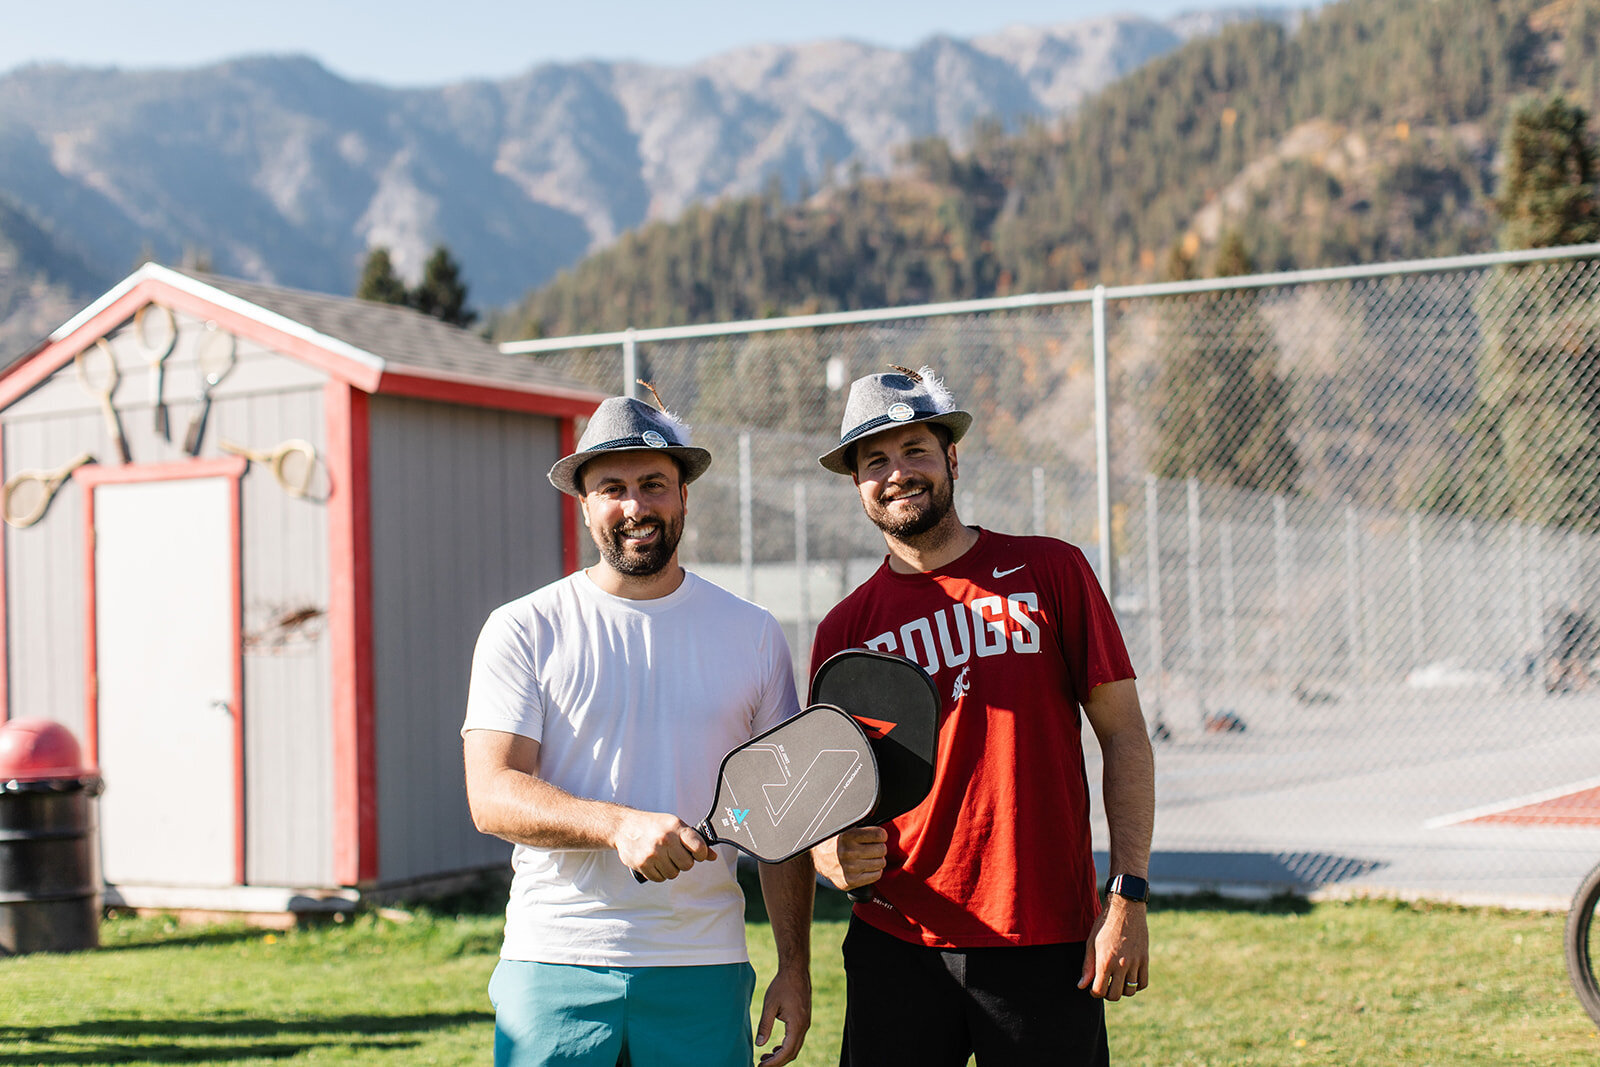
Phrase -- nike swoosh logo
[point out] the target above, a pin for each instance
(998, 573)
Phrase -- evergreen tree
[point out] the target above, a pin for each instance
(1547, 197)
(1224, 410)
(379, 283)
(1532, 436)
(442, 293)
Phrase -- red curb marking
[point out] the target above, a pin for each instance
(1575, 809)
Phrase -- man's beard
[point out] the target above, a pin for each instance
(640, 561)
(941, 500)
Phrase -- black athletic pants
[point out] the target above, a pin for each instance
(1010, 1006)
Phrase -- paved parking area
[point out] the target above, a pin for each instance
(1476, 797)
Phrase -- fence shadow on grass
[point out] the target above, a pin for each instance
(218, 1038)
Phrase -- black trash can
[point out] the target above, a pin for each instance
(50, 888)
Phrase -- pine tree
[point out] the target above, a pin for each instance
(379, 282)
(1532, 436)
(442, 293)
(1548, 194)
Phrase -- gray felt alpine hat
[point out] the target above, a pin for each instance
(623, 424)
(883, 401)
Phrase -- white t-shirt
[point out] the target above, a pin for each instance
(633, 702)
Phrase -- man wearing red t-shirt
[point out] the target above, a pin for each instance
(985, 912)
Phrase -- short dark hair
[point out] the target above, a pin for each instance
(940, 430)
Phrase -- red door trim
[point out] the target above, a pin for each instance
(355, 798)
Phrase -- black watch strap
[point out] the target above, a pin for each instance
(1130, 886)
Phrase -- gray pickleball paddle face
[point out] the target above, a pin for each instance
(897, 706)
(795, 785)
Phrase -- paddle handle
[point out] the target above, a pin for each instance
(861, 894)
(705, 832)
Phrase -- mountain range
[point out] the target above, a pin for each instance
(278, 170)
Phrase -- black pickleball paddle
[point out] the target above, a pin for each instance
(897, 706)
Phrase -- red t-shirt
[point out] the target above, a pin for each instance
(1015, 634)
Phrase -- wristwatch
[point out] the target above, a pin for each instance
(1129, 886)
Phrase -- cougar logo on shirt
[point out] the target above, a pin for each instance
(988, 626)
(963, 684)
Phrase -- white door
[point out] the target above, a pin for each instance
(165, 650)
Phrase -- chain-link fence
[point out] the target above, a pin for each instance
(1348, 520)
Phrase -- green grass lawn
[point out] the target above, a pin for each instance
(1281, 983)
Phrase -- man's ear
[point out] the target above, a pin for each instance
(583, 509)
(955, 467)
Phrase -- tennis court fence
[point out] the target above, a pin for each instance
(1348, 519)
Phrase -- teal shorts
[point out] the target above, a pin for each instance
(560, 1013)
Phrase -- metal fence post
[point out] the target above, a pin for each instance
(1196, 633)
(747, 524)
(1230, 629)
(802, 567)
(1414, 567)
(630, 362)
(1152, 522)
(1282, 575)
(1102, 442)
(1352, 604)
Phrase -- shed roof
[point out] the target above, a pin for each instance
(400, 336)
(380, 348)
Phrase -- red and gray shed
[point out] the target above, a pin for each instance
(264, 641)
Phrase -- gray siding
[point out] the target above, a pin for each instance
(267, 398)
(288, 674)
(46, 570)
(463, 520)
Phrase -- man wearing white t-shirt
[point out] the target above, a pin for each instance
(599, 710)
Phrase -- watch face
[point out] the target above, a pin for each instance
(1130, 886)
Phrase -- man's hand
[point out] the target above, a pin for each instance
(659, 846)
(854, 858)
(1116, 961)
(789, 999)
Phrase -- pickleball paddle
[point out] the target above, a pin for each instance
(798, 783)
(897, 706)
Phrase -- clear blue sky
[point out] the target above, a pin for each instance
(430, 42)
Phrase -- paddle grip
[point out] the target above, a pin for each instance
(704, 830)
(861, 894)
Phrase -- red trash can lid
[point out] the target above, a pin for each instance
(34, 750)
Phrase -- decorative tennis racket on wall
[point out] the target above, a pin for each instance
(27, 494)
(97, 373)
(293, 463)
(155, 353)
(216, 353)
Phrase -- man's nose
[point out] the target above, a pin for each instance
(898, 471)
